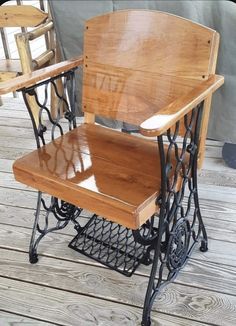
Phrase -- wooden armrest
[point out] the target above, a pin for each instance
(170, 114)
(32, 78)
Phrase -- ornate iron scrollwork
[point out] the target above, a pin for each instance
(46, 129)
(178, 244)
(167, 239)
(180, 223)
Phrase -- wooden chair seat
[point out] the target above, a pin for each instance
(113, 174)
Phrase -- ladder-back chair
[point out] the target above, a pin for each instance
(27, 16)
(147, 68)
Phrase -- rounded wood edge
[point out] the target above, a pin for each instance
(199, 94)
(157, 12)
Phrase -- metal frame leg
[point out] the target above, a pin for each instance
(60, 211)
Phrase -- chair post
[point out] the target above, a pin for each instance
(22, 43)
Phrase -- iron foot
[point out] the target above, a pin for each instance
(204, 246)
(33, 258)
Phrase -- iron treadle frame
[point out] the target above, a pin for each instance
(166, 240)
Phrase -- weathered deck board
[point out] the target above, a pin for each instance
(74, 290)
(25, 218)
(17, 238)
(65, 308)
(9, 319)
(103, 284)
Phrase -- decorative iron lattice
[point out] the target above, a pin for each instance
(52, 214)
(64, 106)
(165, 240)
(180, 223)
(112, 245)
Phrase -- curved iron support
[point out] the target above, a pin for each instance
(180, 221)
(166, 240)
(61, 211)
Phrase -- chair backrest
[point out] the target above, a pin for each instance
(21, 16)
(29, 16)
(136, 61)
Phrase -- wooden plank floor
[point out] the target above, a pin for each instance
(66, 288)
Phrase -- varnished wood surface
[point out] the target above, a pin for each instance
(130, 57)
(31, 78)
(131, 80)
(76, 168)
(21, 16)
(130, 95)
(207, 102)
(167, 116)
(151, 41)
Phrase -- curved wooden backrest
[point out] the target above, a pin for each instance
(21, 16)
(136, 61)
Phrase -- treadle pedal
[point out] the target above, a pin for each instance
(110, 244)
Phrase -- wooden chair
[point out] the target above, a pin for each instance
(27, 16)
(151, 69)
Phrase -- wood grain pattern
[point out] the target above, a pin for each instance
(31, 78)
(87, 172)
(76, 168)
(134, 82)
(17, 238)
(21, 16)
(149, 41)
(207, 102)
(69, 309)
(42, 59)
(101, 282)
(121, 77)
(10, 319)
(215, 209)
(167, 116)
(14, 195)
(41, 30)
(129, 95)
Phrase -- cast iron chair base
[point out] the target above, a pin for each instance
(166, 240)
